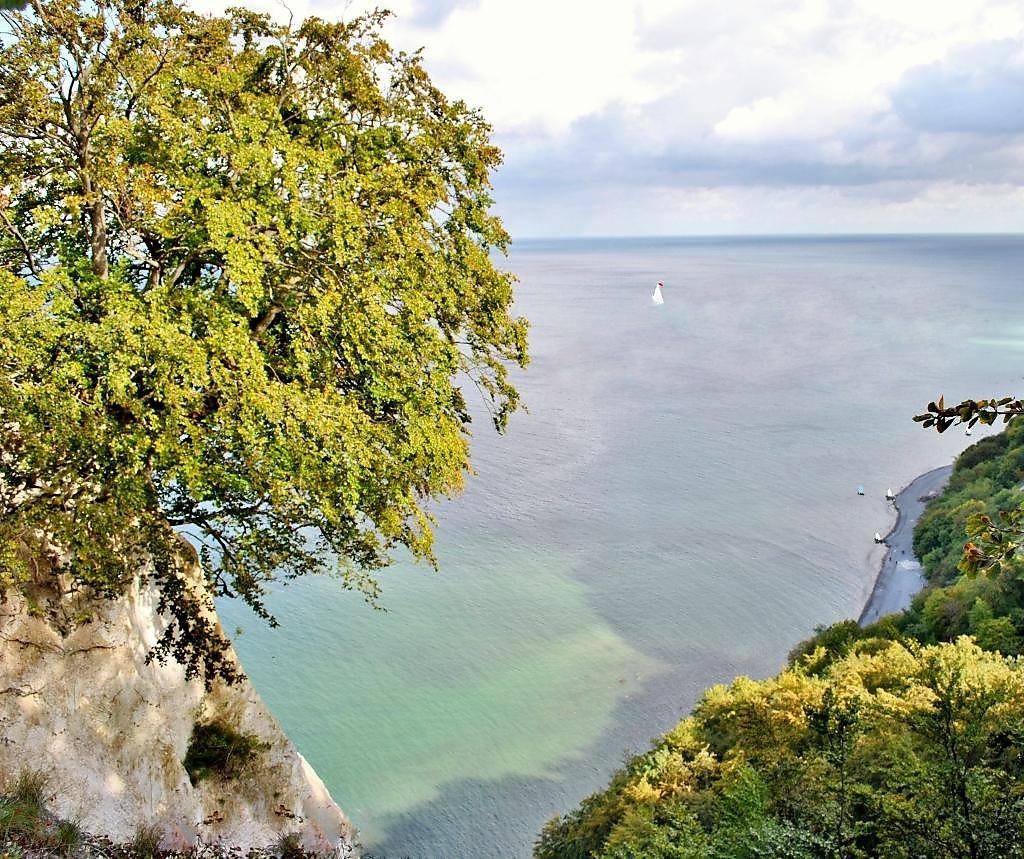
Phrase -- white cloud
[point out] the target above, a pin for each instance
(832, 104)
(784, 115)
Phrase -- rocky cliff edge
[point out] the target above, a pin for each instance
(79, 702)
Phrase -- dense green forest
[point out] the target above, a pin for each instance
(901, 739)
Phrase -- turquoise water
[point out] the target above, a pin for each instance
(678, 506)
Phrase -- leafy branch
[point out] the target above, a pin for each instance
(970, 412)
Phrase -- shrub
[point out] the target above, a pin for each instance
(67, 837)
(29, 789)
(145, 843)
(289, 846)
(219, 750)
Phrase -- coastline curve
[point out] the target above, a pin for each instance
(900, 576)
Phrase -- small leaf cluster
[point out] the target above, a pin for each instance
(969, 412)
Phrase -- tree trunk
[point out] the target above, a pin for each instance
(97, 222)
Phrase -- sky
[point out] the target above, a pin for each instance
(720, 117)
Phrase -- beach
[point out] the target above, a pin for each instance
(901, 576)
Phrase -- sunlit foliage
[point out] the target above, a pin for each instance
(247, 271)
(893, 751)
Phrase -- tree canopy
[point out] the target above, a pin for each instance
(247, 273)
(895, 750)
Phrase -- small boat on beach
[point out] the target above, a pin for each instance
(878, 538)
(890, 495)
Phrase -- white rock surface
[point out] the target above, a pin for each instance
(111, 733)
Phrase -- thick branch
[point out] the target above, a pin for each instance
(14, 231)
(260, 325)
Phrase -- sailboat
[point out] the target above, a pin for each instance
(889, 494)
(879, 538)
(656, 296)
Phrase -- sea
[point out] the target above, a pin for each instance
(678, 506)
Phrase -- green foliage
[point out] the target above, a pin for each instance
(67, 837)
(218, 750)
(289, 846)
(18, 817)
(666, 831)
(983, 504)
(770, 839)
(982, 451)
(833, 642)
(145, 842)
(247, 274)
(908, 750)
(29, 790)
(966, 540)
(23, 819)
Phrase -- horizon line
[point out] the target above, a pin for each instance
(787, 235)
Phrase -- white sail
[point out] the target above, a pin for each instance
(656, 297)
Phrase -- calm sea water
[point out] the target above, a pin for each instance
(678, 507)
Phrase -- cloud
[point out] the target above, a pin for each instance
(850, 107)
(433, 13)
(625, 170)
(977, 90)
(662, 115)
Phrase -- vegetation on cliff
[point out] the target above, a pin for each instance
(29, 830)
(902, 739)
(894, 750)
(247, 275)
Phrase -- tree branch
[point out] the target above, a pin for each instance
(14, 231)
(260, 325)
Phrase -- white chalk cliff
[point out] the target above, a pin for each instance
(111, 732)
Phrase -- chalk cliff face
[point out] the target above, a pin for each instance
(111, 732)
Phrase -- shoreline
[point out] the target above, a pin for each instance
(900, 576)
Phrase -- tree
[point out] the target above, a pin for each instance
(991, 542)
(891, 751)
(246, 274)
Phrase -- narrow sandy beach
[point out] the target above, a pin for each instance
(901, 577)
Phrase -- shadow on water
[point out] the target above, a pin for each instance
(480, 819)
